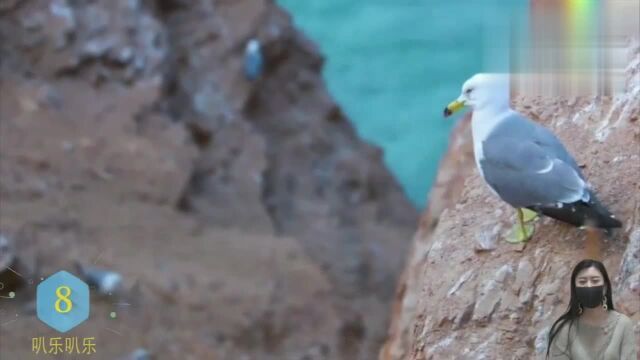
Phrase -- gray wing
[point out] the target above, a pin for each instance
(527, 165)
(551, 144)
(518, 126)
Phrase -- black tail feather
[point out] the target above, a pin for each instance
(580, 213)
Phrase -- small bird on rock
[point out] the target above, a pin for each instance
(253, 60)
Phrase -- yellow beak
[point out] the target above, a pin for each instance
(453, 107)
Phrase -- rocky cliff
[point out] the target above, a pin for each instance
(466, 294)
(247, 218)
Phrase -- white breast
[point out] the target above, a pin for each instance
(482, 123)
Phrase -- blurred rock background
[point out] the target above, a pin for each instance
(246, 218)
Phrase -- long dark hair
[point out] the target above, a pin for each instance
(573, 311)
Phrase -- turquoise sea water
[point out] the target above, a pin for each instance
(394, 65)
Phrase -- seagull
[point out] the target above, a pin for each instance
(524, 163)
(253, 60)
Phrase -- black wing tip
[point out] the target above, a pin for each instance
(601, 217)
(604, 224)
(601, 220)
(581, 214)
(613, 223)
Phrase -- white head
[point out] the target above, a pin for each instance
(253, 46)
(482, 92)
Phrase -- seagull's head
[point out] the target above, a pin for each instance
(482, 91)
(253, 46)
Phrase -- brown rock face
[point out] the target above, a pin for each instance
(131, 139)
(466, 294)
(454, 169)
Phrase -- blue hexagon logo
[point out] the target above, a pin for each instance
(62, 301)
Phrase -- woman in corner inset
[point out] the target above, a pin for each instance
(591, 329)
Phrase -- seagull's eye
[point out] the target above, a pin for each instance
(468, 91)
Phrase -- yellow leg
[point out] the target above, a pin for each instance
(528, 215)
(522, 231)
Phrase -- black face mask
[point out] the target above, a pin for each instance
(590, 297)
